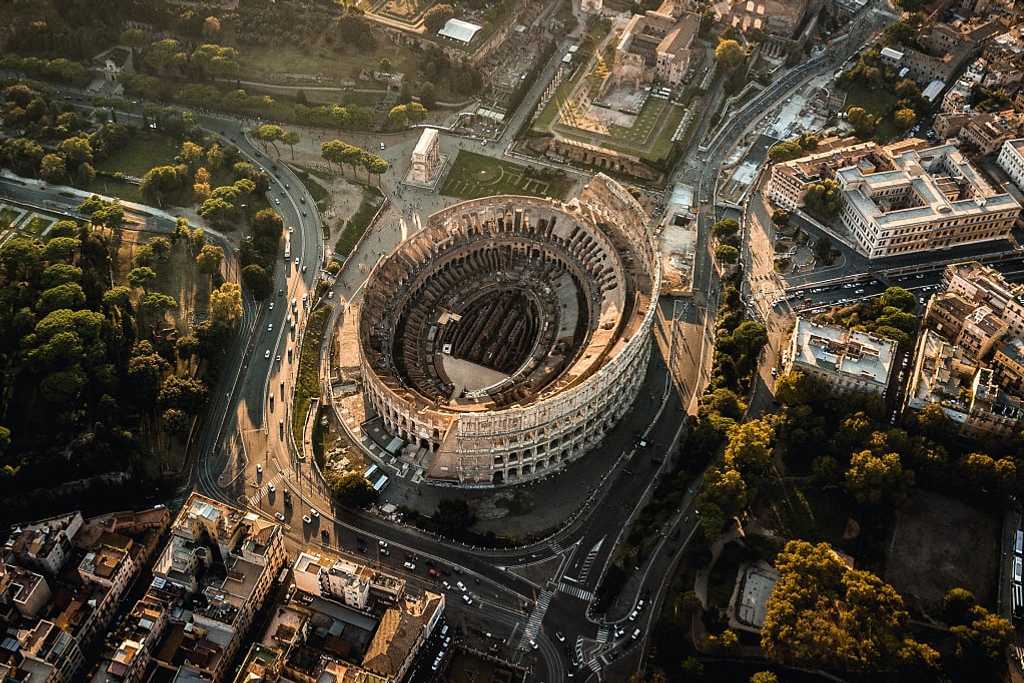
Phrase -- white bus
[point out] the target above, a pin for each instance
(1018, 544)
(287, 247)
(1017, 600)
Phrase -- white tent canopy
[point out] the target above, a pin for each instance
(459, 30)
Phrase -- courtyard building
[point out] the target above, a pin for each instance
(849, 361)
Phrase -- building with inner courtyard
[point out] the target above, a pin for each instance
(507, 337)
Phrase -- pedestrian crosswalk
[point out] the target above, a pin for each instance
(594, 665)
(602, 634)
(588, 561)
(555, 546)
(254, 499)
(536, 617)
(575, 591)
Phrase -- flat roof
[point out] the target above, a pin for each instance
(849, 352)
(459, 30)
(427, 139)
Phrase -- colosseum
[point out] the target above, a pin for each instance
(505, 338)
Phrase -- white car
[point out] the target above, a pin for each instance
(259, 469)
(271, 488)
(280, 516)
(313, 513)
(462, 586)
(277, 201)
(447, 586)
(466, 599)
(306, 519)
(291, 229)
(410, 566)
(267, 354)
(296, 260)
(533, 645)
(382, 146)
(271, 306)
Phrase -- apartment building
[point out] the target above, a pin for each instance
(223, 561)
(967, 392)
(126, 651)
(849, 361)
(986, 132)
(976, 329)
(932, 199)
(1011, 160)
(790, 180)
(376, 626)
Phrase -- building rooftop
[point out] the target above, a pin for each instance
(459, 30)
(850, 352)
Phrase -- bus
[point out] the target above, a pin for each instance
(1018, 544)
(382, 483)
(287, 246)
(1017, 600)
(370, 472)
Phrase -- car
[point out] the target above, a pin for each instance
(632, 615)
(466, 599)
(385, 552)
(461, 586)
(382, 543)
(291, 228)
(304, 213)
(302, 200)
(636, 634)
(270, 327)
(270, 306)
(533, 645)
(303, 269)
(296, 260)
(559, 636)
(640, 604)
(313, 513)
(447, 586)
(271, 487)
(306, 519)
(411, 566)
(919, 276)
(858, 291)
(280, 516)
(277, 201)
(267, 354)
(277, 358)
(259, 469)
(382, 146)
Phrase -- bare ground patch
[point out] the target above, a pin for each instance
(939, 543)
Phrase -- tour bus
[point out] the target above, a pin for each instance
(1018, 545)
(371, 472)
(1017, 600)
(287, 247)
(382, 483)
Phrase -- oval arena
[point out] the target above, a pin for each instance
(505, 338)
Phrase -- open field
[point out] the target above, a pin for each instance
(143, 152)
(939, 543)
(474, 175)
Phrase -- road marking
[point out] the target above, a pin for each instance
(589, 560)
(594, 666)
(254, 499)
(536, 617)
(602, 634)
(575, 591)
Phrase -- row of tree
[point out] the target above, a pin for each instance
(341, 154)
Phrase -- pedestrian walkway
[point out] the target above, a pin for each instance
(254, 499)
(536, 617)
(575, 591)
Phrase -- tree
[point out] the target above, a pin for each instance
(727, 254)
(437, 16)
(174, 421)
(86, 174)
(873, 478)
(351, 489)
(209, 259)
(764, 677)
(375, 165)
(61, 249)
(269, 134)
(863, 123)
(785, 151)
(161, 182)
(211, 27)
(453, 516)
(729, 54)
(415, 111)
(183, 393)
(60, 274)
(76, 150)
(900, 298)
(156, 305)
(822, 614)
(218, 211)
(398, 116)
(905, 118)
(68, 295)
(725, 228)
(290, 138)
(52, 168)
(257, 281)
(957, 605)
(140, 278)
(823, 199)
(23, 155)
(226, 304)
(191, 154)
(750, 446)
(267, 224)
(146, 369)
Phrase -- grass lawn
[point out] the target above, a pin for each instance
(8, 216)
(308, 384)
(475, 175)
(877, 102)
(121, 189)
(143, 152)
(357, 225)
(37, 225)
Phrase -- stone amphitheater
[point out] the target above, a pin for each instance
(504, 339)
